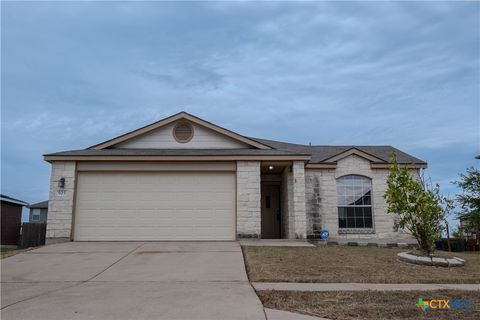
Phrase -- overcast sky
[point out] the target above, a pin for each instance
(401, 74)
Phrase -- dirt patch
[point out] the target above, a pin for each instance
(371, 304)
(350, 264)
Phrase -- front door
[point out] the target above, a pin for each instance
(270, 212)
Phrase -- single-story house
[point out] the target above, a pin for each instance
(11, 217)
(184, 178)
(38, 212)
(470, 233)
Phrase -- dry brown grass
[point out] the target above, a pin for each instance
(368, 305)
(350, 264)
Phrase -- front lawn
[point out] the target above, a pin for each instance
(371, 304)
(350, 264)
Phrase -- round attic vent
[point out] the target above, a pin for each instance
(183, 132)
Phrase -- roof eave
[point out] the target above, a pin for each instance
(373, 165)
(51, 158)
(323, 165)
(405, 165)
(19, 202)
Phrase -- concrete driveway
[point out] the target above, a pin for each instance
(129, 280)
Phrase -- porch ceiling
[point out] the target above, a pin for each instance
(274, 167)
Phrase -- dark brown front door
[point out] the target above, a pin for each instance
(270, 212)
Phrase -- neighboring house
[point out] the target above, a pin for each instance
(183, 178)
(11, 215)
(38, 212)
(471, 233)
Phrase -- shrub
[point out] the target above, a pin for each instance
(419, 206)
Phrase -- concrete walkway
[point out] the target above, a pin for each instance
(129, 280)
(289, 286)
(273, 314)
(275, 243)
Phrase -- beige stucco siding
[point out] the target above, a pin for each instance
(162, 138)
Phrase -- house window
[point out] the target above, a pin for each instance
(35, 214)
(354, 195)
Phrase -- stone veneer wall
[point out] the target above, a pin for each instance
(321, 200)
(298, 170)
(294, 222)
(286, 195)
(313, 202)
(60, 207)
(309, 200)
(248, 199)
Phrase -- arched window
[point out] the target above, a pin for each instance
(354, 194)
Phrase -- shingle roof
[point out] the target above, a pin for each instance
(318, 153)
(39, 205)
(322, 153)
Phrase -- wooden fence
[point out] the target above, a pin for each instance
(32, 235)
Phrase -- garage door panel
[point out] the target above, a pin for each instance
(151, 234)
(172, 202)
(155, 206)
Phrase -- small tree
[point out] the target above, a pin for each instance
(470, 199)
(447, 209)
(420, 206)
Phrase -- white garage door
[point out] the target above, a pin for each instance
(155, 206)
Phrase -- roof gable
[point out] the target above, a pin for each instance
(164, 138)
(354, 151)
(237, 140)
(323, 154)
(39, 205)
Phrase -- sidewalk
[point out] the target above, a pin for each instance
(293, 286)
(275, 243)
(273, 314)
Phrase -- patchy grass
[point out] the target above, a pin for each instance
(350, 264)
(368, 305)
(8, 252)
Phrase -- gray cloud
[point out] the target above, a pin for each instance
(405, 74)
